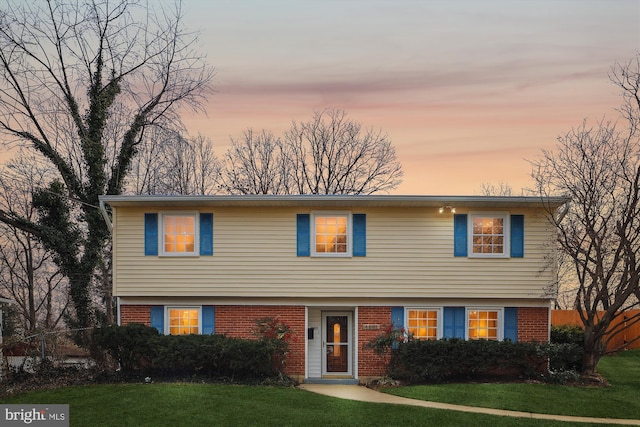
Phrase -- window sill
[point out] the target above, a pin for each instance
(179, 256)
(331, 256)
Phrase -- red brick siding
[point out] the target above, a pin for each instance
(135, 314)
(239, 321)
(369, 363)
(533, 324)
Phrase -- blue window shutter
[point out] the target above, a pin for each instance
(151, 234)
(397, 317)
(453, 322)
(511, 323)
(157, 317)
(303, 225)
(460, 235)
(359, 235)
(397, 320)
(517, 236)
(206, 234)
(208, 320)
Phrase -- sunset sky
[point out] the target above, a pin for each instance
(467, 91)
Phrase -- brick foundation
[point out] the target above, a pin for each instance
(533, 324)
(239, 321)
(135, 314)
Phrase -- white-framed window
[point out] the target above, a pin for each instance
(179, 233)
(484, 323)
(331, 234)
(489, 234)
(183, 320)
(424, 323)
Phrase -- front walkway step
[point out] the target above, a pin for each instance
(332, 381)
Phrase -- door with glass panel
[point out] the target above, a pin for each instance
(336, 343)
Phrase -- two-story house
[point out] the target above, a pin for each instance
(336, 269)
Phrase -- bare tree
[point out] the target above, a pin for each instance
(500, 189)
(330, 154)
(28, 274)
(172, 164)
(146, 174)
(82, 81)
(257, 164)
(598, 168)
(334, 155)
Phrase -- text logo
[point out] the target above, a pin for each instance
(34, 415)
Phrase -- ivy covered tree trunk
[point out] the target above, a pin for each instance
(82, 82)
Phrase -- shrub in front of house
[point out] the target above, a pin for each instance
(130, 347)
(420, 361)
(139, 349)
(567, 334)
(566, 348)
(455, 359)
(213, 356)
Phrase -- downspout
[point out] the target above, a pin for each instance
(118, 310)
(564, 213)
(105, 215)
(107, 220)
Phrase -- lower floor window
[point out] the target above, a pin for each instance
(482, 324)
(184, 321)
(422, 324)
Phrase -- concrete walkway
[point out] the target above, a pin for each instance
(364, 394)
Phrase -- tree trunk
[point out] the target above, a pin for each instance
(28, 254)
(592, 352)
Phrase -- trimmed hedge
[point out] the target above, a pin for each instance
(445, 359)
(566, 348)
(567, 334)
(215, 356)
(130, 346)
(140, 349)
(450, 359)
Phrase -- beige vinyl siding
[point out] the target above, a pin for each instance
(409, 254)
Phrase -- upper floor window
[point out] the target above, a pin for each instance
(331, 234)
(179, 233)
(423, 323)
(489, 235)
(483, 324)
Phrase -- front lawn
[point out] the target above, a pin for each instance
(226, 405)
(180, 404)
(619, 400)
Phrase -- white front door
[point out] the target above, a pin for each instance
(336, 343)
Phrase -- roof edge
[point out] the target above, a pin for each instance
(307, 199)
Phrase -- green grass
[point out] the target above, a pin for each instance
(619, 400)
(172, 404)
(224, 405)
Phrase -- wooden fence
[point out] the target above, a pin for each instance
(620, 341)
